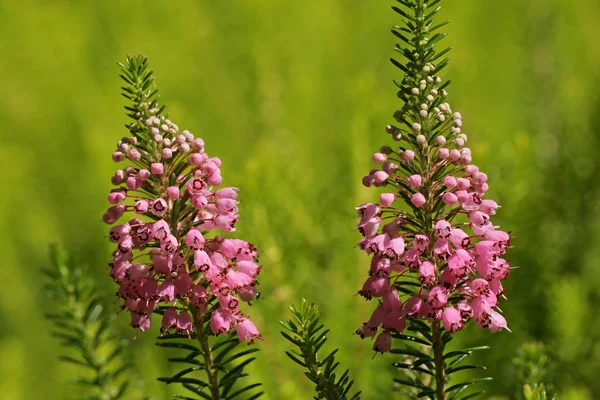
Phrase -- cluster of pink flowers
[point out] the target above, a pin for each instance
(164, 254)
(443, 259)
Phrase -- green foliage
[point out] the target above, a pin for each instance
(533, 369)
(212, 370)
(83, 327)
(309, 336)
(139, 88)
(419, 35)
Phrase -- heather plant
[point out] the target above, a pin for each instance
(169, 257)
(437, 259)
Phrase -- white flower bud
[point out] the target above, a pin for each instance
(443, 93)
(164, 128)
(466, 151)
(184, 148)
(463, 137)
(441, 118)
(188, 136)
(154, 131)
(458, 123)
(149, 121)
(424, 106)
(421, 140)
(430, 97)
(455, 130)
(429, 79)
(158, 138)
(440, 140)
(167, 142)
(415, 91)
(426, 68)
(397, 136)
(438, 79)
(459, 142)
(434, 92)
(457, 115)
(416, 127)
(423, 113)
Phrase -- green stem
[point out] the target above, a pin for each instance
(438, 357)
(211, 371)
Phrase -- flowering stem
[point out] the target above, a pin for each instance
(438, 358)
(211, 371)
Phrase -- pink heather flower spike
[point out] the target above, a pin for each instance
(170, 193)
(444, 259)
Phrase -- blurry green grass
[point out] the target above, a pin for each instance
(293, 96)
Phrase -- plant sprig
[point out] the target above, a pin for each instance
(309, 336)
(83, 328)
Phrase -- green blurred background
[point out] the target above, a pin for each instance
(294, 97)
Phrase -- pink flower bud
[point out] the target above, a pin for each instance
(196, 159)
(413, 306)
(380, 177)
(409, 155)
(498, 322)
(117, 196)
(215, 179)
(226, 193)
(438, 296)
(247, 331)
(173, 192)
(157, 168)
(452, 319)
(449, 198)
(418, 200)
(117, 156)
(455, 155)
(415, 181)
(184, 323)
(427, 273)
(141, 206)
(220, 322)
(379, 158)
(198, 145)
(420, 243)
(450, 182)
(169, 319)
(383, 342)
(463, 184)
(199, 201)
(386, 199)
(391, 301)
(167, 153)
(134, 155)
